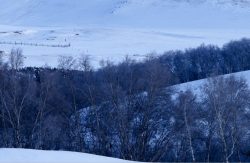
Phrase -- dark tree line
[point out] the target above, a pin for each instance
(130, 110)
(206, 61)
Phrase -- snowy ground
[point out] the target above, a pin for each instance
(196, 86)
(106, 43)
(37, 156)
(111, 29)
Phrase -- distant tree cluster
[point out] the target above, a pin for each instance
(206, 61)
(130, 110)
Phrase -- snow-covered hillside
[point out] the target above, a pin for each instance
(36, 156)
(111, 29)
(150, 13)
(196, 86)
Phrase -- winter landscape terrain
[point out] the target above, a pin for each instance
(196, 86)
(115, 28)
(140, 80)
(11, 155)
(36, 156)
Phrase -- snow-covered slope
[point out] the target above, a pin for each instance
(56, 12)
(150, 13)
(185, 13)
(196, 86)
(36, 156)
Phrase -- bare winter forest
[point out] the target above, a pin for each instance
(124, 81)
(132, 110)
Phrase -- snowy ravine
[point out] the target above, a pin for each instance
(111, 29)
(38, 156)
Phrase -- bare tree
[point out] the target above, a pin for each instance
(66, 63)
(187, 112)
(45, 88)
(84, 63)
(14, 97)
(16, 59)
(227, 97)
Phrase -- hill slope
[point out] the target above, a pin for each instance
(157, 13)
(197, 86)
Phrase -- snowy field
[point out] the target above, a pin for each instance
(104, 43)
(111, 29)
(37, 156)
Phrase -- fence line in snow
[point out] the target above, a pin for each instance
(35, 44)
